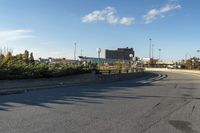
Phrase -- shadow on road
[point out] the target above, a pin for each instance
(93, 93)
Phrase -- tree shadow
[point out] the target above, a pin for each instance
(93, 93)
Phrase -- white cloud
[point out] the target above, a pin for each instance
(109, 15)
(20, 34)
(127, 21)
(94, 16)
(154, 13)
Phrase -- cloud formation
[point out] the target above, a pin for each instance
(20, 34)
(109, 15)
(154, 13)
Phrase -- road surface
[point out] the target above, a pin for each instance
(158, 103)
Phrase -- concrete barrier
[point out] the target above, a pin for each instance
(15, 86)
(173, 70)
(118, 77)
(28, 83)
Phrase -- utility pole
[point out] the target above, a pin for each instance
(75, 51)
(150, 48)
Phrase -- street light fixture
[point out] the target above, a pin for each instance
(131, 56)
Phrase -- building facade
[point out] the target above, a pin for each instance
(119, 54)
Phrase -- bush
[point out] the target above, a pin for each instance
(23, 66)
(18, 70)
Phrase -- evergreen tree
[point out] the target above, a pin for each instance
(31, 59)
(19, 57)
(26, 56)
(7, 58)
(1, 57)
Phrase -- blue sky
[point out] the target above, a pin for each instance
(49, 28)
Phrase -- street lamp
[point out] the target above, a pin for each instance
(75, 51)
(159, 53)
(81, 52)
(131, 56)
(130, 61)
(186, 56)
(99, 53)
(198, 51)
(150, 48)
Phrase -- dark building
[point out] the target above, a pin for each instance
(119, 54)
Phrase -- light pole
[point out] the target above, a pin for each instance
(159, 53)
(198, 51)
(81, 52)
(186, 56)
(150, 48)
(75, 51)
(130, 61)
(99, 54)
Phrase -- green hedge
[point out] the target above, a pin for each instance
(23, 66)
(26, 71)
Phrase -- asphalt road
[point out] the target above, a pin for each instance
(166, 103)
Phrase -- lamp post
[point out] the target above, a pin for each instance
(187, 55)
(99, 54)
(75, 51)
(159, 53)
(130, 61)
(81, 52)
(198, 51)
(150, 48)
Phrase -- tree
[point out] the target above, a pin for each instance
(189, 64)
(119, 66)
(31, 59)
(26, 56)
(1, 57)
(19, 57)
(7, 58)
